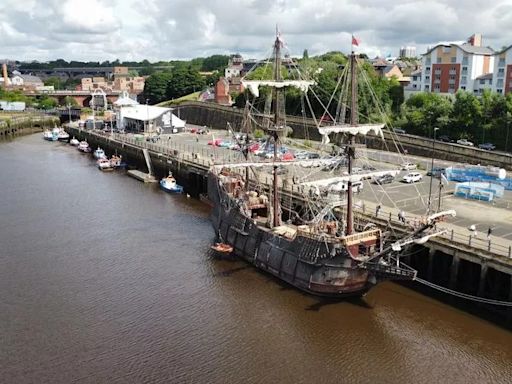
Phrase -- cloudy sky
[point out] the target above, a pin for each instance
(181, 29)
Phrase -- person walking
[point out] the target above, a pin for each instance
(489, 231)
(377, 210)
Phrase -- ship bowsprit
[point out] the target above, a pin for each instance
(384, 270)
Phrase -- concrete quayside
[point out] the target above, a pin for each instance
(457, 260)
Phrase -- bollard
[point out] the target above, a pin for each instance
(489, 246)
(451, 236)
(470, 240)
(389, 216)
(509, 250)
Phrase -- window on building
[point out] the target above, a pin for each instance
(501, 62)
(427, 69)
(439, 61)
(428, 61)
(482, 81)
(427, 87)
(463, 87)
(499, 83)
(427, 78)
(501, 72)
(453, 59)
(463, 80)
(465, 60)
(499, 90)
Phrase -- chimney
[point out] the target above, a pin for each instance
(4, 73)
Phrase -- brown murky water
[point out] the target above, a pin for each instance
(106, 280)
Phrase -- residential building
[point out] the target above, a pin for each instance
(482, 83)
(446, 68)
(121, 82)
(222, 95)
(415, 83)
(235, 66)
(407, 52)
(503, 71)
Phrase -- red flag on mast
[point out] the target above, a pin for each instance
(355, 41)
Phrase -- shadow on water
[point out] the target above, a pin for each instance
(324, 302)
(230, 272)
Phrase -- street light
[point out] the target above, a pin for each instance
(69, 112)
(506, 138)
(432, 171)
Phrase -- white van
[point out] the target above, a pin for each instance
(357, 186)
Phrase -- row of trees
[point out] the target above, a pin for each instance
(481, 119)
(42, 102)
(168, 85)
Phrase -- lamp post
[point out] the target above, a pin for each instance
(431, 171)
(147, 114)
(506, 138)
(69, 112)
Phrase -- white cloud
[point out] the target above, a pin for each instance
(179, 29)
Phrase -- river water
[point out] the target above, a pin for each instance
(106, 280)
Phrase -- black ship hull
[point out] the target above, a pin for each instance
(316, 267)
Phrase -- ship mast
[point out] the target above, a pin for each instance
(351, 146)
(277, 125)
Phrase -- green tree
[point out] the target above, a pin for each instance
(215, 63)
(47, 103)
(184, 82)
(55, 82)
(155, 87)
(68, 100)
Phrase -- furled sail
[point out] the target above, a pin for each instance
(253, 85)
(332, 181)
(362, 129)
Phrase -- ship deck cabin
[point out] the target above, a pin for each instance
(360, 245)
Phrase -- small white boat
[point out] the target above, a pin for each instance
(47, 135)
(74, 141)
(104, 164)
(99, 153)
(168, 184)
(62, 135)
(83, 146)
(55, 133)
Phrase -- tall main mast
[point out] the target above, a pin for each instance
(351, 148)
(277, 126)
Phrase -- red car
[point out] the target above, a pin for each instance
(215, 142)
(254, 147)
(288, 156)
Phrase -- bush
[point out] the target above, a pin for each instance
(258, 133)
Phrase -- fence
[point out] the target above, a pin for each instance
(201, 156)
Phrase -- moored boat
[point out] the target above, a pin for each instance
(74, 141)
(168, 184)
(321, 250)
(104, 164)
(83, 146)
(62, 135)
(47, 135)
(116, 161)
(99, 153)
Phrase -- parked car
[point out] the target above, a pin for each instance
(445, 139)
(465, 142)
(436, 172)
(412, 177)
(288, 156)
(408, 166)
(215, 142)
(487, 146)
(384, 179)
(398, 130)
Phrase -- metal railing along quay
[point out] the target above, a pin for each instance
(455, 235)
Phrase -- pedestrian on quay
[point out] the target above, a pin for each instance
(473, 231)
(489, 231)
(401, 216)
(377, 210)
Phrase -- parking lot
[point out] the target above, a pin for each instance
(412, 198)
